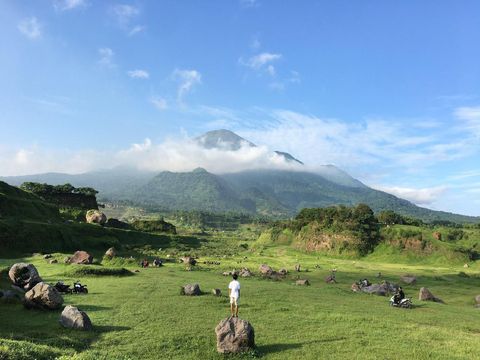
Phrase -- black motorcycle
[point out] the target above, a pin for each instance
(79, 288)
(62, 288)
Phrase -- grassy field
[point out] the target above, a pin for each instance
(144, 316)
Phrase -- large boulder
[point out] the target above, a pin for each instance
(408, 279)
(426, 295)
(382, 289)
(234, 335)
(96, 217)
(191, 290)
(74, 318)
(43, 296)
(111, 253)
(81, 257)
(24, 275)
(265, 270)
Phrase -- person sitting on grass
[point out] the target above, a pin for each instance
(234, 293)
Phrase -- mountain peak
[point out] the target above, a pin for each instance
(222, 139)
(287, 157)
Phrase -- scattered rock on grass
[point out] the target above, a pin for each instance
(111, 253)
(477, 299)
(383, 289)
(355, 287)
(217, 292)
(43, 296)
(24, 275)
(234, 335)
(266, 270)
(53, 261)
(297, 267)
(304, 282)
(426, 295)
(408, 279)
(283, 272)
(81, 257)
(74, 318)
(245, 272)
(96, 217)
(190, 290)
(47, 256)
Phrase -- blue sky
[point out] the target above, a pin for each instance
(387, 90)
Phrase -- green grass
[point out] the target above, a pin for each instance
(143, 316)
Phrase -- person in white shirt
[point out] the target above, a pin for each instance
(234, 293)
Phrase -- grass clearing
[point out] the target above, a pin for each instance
(143, 316)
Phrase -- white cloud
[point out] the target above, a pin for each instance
(106, 57)
(136, 29)
(174, 155)
(471, 118)
(138, 74)
(30, 27)
(159, 103)
(423, 196)
(262, 62)
(64, 5)
(187, 80)
(124, 14)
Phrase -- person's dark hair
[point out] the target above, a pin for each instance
(235, 276)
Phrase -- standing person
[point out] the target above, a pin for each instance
(234, 293)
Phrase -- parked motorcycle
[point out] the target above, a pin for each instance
(79, 288)
(62, 288)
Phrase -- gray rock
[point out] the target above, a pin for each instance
(408, 279)
(74, 318)
(43, 296)
(24, 275)
(265, 270)
(245, 272)
(426, 295)
(283, 272)
(234, 335)
(191, 290)
(10, 296)
(382, 289)
(477, 299)
(304, 282)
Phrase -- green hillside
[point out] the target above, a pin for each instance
(198, 189)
